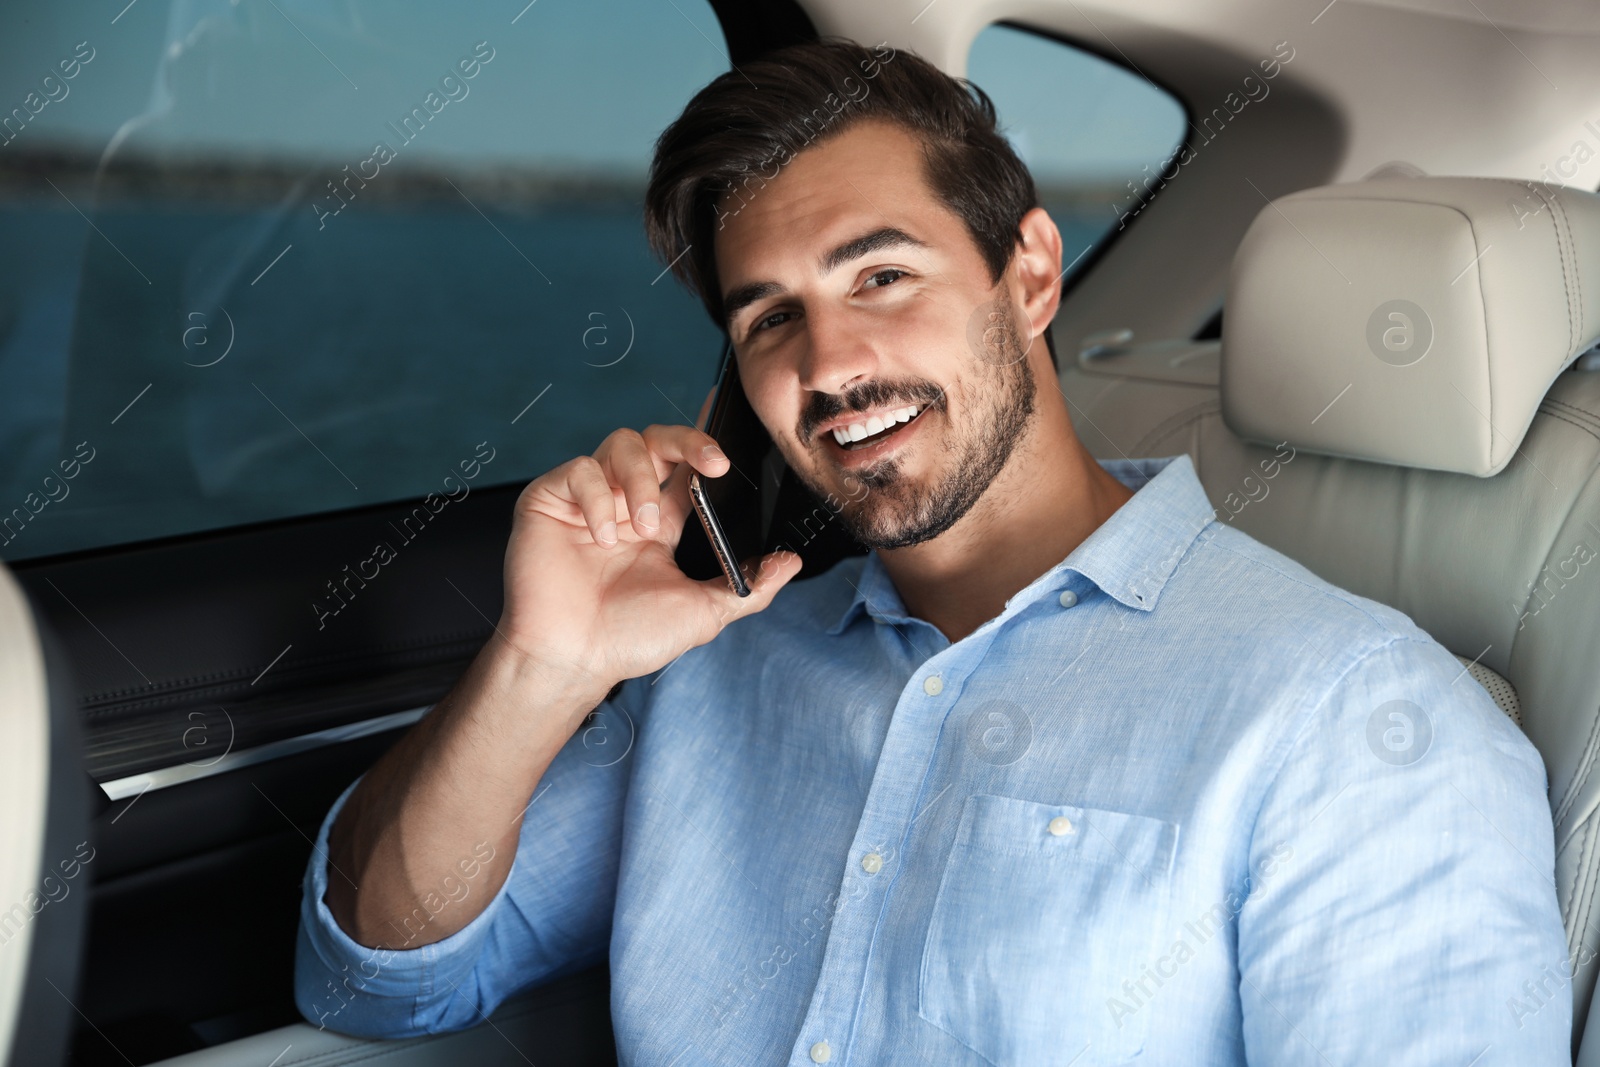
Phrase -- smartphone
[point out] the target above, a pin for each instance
(730, 506)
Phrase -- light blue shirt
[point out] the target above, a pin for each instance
(1181, 800)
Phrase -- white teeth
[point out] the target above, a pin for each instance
(875, 424)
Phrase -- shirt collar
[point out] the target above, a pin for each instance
(1129, 557)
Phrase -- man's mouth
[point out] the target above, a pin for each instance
(868, 432)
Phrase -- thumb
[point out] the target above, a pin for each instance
(772, 572)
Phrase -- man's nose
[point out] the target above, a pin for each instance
(838, 354)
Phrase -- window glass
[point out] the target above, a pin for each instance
(275, 257)
(1087, 129)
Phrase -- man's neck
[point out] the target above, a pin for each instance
(1050, 496)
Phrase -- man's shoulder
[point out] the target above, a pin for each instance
(1251, 580)
(1311, 635)
(1361, 660)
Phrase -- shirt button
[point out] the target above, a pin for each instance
(1068, 598)
(1060, 825)
(933, 685)
(872, 863)
(820, 1052)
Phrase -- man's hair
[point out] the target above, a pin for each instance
(738, 133)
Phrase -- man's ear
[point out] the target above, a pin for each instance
(1036, 264)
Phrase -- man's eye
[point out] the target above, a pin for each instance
(777, 318)
(877, 280)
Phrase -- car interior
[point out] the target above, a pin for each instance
(1345, 255)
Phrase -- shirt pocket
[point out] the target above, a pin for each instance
(1042, 913)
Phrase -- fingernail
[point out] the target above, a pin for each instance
(712, 452)
(649, 516)
(608, 534)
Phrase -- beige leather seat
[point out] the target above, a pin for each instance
(44, 836)
(1394, 404)
(516, 1035)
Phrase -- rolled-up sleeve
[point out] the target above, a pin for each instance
(1404, 910)
(550, 917)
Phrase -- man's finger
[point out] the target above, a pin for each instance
(676, 508)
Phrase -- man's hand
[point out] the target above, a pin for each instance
(591, 585)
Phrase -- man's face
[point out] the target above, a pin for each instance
(853, 294)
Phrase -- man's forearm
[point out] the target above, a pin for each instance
(448, 798)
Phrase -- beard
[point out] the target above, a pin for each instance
(895, 511)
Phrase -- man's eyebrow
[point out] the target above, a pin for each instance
(746, 295)
(856, 247)
(876, 240)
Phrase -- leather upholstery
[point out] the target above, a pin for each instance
(44, 838)
(1410, 321)
(24, 776)
(302, 1045)
(559, 1024)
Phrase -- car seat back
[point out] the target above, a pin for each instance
(44, 837)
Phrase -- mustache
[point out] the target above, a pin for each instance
(866, 397)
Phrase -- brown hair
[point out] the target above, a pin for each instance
(738, 132)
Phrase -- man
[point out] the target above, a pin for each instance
(1063, 771)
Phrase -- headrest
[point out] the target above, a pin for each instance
(1412, 321)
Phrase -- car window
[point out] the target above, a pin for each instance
(277, 257)
(1093, 133)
